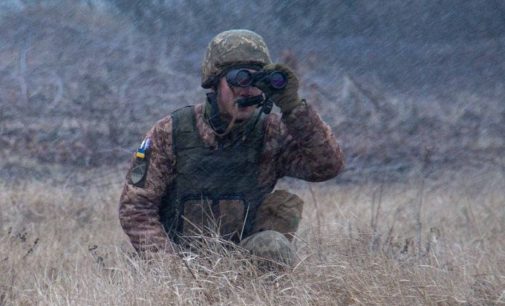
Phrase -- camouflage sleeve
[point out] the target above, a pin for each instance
(308, 147)
(140, 202)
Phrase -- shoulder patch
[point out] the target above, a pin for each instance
(139, 168)
(138, 171)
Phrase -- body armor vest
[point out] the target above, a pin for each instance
(214, 190)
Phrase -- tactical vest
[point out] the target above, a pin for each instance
(214, 190)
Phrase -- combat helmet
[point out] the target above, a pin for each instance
(233, 48)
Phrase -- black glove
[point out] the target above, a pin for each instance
(287, 98)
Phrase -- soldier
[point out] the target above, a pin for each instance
(212, 167)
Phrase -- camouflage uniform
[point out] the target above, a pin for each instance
(297, 144)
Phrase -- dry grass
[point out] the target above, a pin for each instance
(388, 244)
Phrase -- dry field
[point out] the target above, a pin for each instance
(80, 84)
(424, 241)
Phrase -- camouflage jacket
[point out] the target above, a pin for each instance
(298, 145)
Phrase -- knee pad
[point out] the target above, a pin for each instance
(271, 246)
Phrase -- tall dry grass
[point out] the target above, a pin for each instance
(419, 242)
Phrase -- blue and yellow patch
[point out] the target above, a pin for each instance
(142, 150)
(139, 166)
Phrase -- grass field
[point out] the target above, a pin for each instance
(400, 83)
(423, 241)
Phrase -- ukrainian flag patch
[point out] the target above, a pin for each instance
(142, 150)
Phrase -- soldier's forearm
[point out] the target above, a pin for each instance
(146, 236)
(148, 248)
(320, 154)
(139, 218)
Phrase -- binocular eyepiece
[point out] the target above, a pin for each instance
(244, 78)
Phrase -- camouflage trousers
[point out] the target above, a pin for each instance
(276, 222)
(280, 211)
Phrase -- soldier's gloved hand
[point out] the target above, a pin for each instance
(287, 98)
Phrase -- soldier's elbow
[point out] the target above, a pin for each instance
(330, 169)
(337, 166)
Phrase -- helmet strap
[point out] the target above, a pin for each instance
(219, 127)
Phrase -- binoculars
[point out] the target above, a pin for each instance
(276, 80)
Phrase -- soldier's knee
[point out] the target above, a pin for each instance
(271, 247)
(280, 211)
